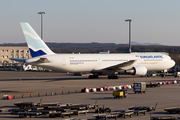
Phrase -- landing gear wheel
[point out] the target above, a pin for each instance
(163, 75)
(115, 77)
(112, 77)
(93, 76)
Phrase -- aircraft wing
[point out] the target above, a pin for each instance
(121, 66)
(19, 60)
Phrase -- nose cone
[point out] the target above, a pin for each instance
(172, 63)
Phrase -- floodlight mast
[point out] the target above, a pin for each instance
(129, 20)
(41, 23)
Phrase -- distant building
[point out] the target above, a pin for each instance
(13, 52)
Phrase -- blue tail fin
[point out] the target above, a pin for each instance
(36, 45)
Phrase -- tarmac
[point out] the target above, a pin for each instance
(18, 83)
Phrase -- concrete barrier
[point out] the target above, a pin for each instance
(163, 83)
(112, 88)
(99, 89)
(124, 87)
(128, 86)
(118, 87)
(174, 82)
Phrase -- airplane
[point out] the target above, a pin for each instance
(137, 63)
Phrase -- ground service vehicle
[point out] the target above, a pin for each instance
(120, 94)
(139, 87)
(176, 74)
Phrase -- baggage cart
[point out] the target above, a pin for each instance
(76, 112)
(89, 106)
(105, 116)
(26, 104)
(28, 114)
(137, 112)
(147, 108)
(54, 114)
(165, 118)
(123, 113)
(102, 109)
(139, 87)
(174, 110)
(142, 108)
(120, 94)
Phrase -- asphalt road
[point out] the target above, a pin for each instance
(26, 83)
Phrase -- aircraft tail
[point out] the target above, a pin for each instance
(36, 45)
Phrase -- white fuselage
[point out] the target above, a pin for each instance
(97, 62)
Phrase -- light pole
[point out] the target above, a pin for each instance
(129, 20)
(41, 23)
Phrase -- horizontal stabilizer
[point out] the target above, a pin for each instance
(18, 60)
(42, 60)
(37, 60)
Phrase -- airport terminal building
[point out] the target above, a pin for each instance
(13, 52)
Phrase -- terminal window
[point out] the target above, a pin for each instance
(22, 56)
(2, 50)
(2, 56)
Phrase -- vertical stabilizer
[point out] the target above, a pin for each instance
(36, 45)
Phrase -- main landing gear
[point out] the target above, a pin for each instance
(112, 77)
(163, 75)
(109, 77)
(93, 76)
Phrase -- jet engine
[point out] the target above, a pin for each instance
(137, 70)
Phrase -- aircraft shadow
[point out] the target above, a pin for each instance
(102, 98)
(54, 79)
(48, 79)
(100, 93)
(8, 107)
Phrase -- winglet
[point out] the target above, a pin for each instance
(36, 45)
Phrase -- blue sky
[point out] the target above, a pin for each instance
(85, 21)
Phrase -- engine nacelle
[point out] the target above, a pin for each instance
(137, 70)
